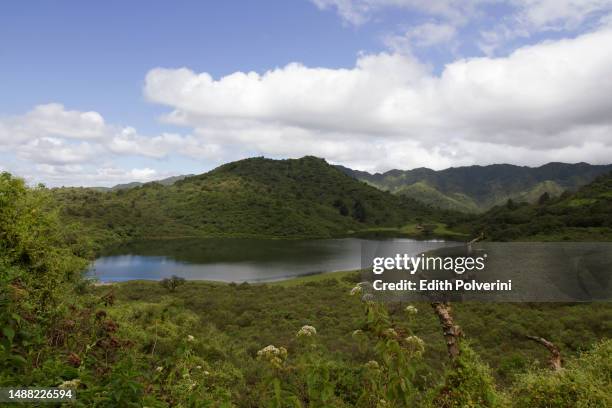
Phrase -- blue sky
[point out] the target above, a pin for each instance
(375, 84)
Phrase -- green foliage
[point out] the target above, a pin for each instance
(39, 260)
(140, 344)
(478, 188)
(254, 197)
(468, 383)
(231, 323)
(585, 382)
(583, 215)
(172, 282)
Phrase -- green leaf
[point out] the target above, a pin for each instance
(8, 332)
(18, 359)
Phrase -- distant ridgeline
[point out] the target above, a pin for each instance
(307, 197)
(478, 188)
(165, 182)
(584, 215)
(304, 197)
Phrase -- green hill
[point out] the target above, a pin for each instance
(427, 194)
(258, 197)
(580, 216)
(478, 188)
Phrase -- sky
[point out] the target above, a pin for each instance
(101, 93)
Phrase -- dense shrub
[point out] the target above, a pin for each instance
(585, 382)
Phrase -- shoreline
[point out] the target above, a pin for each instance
(290, 281)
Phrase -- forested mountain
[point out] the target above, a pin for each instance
(478, 188)
(277, 198)
(579, 216)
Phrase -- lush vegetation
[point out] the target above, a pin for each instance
(579, 216)
(478, 188)
(298, 343)
(253, 197)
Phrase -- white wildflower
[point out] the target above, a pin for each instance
(272, 351)
(274, 355)
(390, 333)
(70, 384)
(206, 373)
(190, 338)
(356, 290)
(372, 365)
(159, 369)
(307, 331)
(415, 344)
(411, 310)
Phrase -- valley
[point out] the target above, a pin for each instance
(150, 342)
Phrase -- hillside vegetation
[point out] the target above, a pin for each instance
(478, 188)
(254, 197)
(309, 343)
(580, 216)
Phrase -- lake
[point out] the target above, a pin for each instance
(239, 260)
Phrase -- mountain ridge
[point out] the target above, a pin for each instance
(484, 186)
(291, 198)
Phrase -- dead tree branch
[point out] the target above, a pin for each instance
(452, 332)
(555, 353)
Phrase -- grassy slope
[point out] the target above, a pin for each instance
(257, 197)
(423, 192)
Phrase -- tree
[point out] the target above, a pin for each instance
(172, 282)
(545, 197)
(342, 208)
(359, 212)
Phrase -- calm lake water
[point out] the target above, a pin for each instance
(238, 260)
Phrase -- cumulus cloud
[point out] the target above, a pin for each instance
(390, 110)
(68, 174)
(51, 120)
(543, 102)
(52, 143)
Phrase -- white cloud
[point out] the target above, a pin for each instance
(60, 175)
(50, 150)
(541, 16)
(51, 120)
(54, 144)
(558, 14)
(538, 14)
(359, 11)
(513, 19)
(423, 35)
(543, 102)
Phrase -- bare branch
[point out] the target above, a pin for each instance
(452, 332)
(555, 353)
